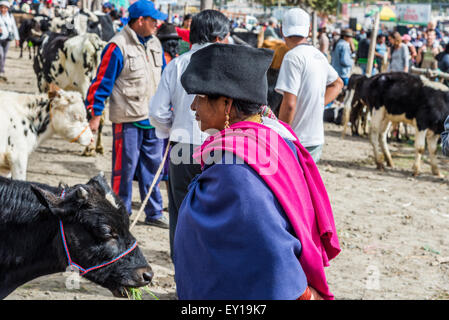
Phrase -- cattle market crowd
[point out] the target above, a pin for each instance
(204, 104)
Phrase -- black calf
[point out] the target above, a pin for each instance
(96, 229)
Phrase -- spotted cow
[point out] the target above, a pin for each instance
(71, 63)
(26, 120)
(413, 100)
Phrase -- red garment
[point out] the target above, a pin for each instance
(184, 34)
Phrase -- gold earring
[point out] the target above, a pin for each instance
(226, 124)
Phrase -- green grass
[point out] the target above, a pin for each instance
(136, 293)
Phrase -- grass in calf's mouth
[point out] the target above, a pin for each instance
(136, 293)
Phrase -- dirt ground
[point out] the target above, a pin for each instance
(392, 226)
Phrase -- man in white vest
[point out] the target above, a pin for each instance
(129, 74)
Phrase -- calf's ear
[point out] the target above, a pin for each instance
(58, 206)
(99, 181)
(48, 200)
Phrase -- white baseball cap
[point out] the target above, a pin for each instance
(5, 3)
(296, 22)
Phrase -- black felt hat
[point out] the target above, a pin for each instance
(167, 31)
(234, 71)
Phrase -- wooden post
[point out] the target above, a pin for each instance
(206, 4)
(314, 29)
(429, 73)
(372, 45)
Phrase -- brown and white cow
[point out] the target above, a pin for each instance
(28, 119)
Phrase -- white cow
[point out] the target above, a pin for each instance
(28, 119)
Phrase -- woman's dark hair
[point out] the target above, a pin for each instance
(171, 46)
(207, 26)
(243, 108)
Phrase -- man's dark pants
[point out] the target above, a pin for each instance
(181, 172)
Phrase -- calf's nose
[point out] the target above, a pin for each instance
(145, 275)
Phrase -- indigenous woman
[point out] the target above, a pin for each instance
(257, 222)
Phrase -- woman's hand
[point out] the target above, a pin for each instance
(315, 295)
(17, 43)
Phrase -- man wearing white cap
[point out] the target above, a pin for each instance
(307, 82)
(8, 32)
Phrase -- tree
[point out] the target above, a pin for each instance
(206, 4)
(324, 6)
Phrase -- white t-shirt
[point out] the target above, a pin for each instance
(305, 72)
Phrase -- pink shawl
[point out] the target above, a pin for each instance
(296, 184)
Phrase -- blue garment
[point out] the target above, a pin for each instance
(235, 242)
(109, 69)
(445, 138)
(443, 64)
(136, 152)
(381, 48)
(341, 59)
(145, 8)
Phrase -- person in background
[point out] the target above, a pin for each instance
(362, 35)
(129, 72)
(169, 40)
(399, 56)
(170, 44)
(170, 112)
(433, 25)
(445, 39)
(406, 39)
(323, 41)
(47, 9)
(428, 51)
(306, 81)
(107, 7)
(443, 62)
(381, 53)
(35, 6)
(8, 32)
(187, 21)
(341, 56)
(418, 40)
(270, 31)
(362, 53)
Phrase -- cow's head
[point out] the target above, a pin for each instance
(96, 227)
(68, 115)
